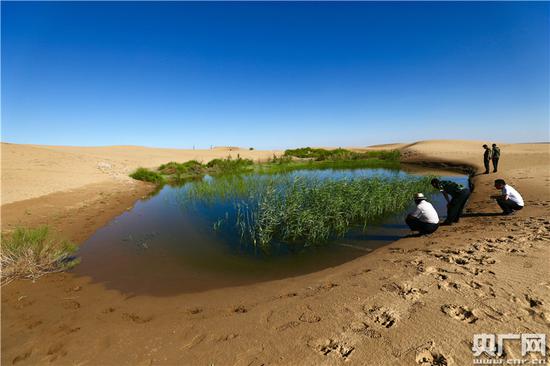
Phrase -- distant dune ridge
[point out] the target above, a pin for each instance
(30, 171)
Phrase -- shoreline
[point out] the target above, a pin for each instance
(484, 275)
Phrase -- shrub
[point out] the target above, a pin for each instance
(31, 253)
(229, 165)
(341, 154)
(191, 167)
(147, 175)
(280, 160)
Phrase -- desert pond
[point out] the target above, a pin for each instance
(199, 235)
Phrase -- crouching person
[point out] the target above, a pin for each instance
(509, 199)
(424, 219)
(456, 196)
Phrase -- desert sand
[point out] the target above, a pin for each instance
(68, 167)
(417, 301)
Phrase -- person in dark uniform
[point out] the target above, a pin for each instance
(495, 156)
(487, 158)
(456, 196)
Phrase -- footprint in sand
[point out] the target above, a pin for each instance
(65, 329)
(461, 313)
(309, 316)
(289, 325)
(22, 357)
(136, 318)
(240, 309)
(34, 324)
(364, 329)
(382, 316)
(227, 337)
(427, 357)
(195, 310)
(361, 272)
(411, 293)
(332, 347)
(56, 350)
(533, 302)
(536, 309)
(323, 287)
(71, 305)
(406, 291)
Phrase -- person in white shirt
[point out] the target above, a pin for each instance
(509, 200)
(424, 219)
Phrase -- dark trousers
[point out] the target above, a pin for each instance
(487, 167)
(508, 206)
(495, 165)
(455, 207)
(423, 227)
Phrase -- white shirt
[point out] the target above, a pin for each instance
(512, 194)
(425, 212)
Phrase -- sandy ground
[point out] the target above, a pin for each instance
(24, 167)
(416, 301)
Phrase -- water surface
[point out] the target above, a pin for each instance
(162, 247)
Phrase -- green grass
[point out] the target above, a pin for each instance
(305, 210)
(31, 253)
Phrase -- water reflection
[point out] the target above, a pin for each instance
(161, 247)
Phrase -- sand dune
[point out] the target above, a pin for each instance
(30, 171)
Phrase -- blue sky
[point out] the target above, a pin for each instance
(273, 75)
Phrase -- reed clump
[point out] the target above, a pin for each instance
(307, 210)
(31, 253)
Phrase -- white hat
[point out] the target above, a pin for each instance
(419, 196)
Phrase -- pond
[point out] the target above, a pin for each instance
(176, 241)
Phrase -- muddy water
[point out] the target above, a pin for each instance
(162, 247)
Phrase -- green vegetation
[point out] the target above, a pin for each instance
(31, 253)
(229, 165)
(147, 175)
(341, 154)
(305, 210)
(303, 158)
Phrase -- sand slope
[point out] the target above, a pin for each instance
(416, 302)
(30, 171)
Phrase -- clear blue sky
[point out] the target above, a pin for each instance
(273, 75)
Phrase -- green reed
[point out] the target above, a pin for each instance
(307, 210)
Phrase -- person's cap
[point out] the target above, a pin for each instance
(419, 196)
(485, 145)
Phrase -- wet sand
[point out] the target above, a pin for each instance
(416, 299)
